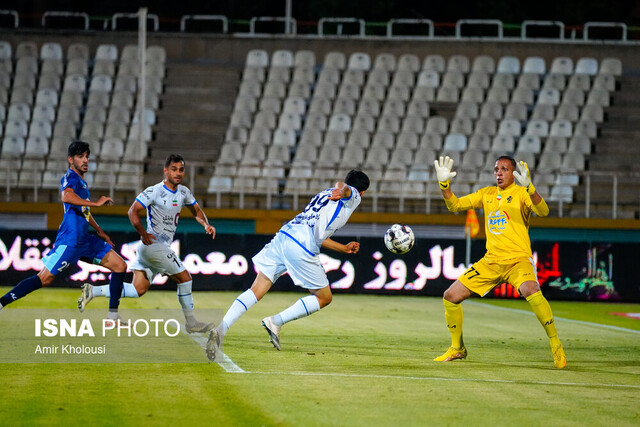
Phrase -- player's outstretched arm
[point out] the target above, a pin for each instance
(70, 197)
(443, 173)
(523, 178)
(199, 215)
(349, 248)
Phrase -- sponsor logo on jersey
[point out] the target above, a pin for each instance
(497, 222)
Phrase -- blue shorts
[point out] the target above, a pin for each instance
(63, 256)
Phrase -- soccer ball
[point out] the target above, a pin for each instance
(399, 239)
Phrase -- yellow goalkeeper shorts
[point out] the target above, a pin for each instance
(483, 276)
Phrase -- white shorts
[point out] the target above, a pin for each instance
(282, 255)
(157, 258)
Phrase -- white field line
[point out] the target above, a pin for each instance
(227, 364)
(580, 322)
(477, 380)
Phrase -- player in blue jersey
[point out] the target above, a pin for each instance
(162, 203)
(73, 241)
(295, 249)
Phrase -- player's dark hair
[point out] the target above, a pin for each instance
(78, 148)
(173, 158)
(357, 179)
(511, 159)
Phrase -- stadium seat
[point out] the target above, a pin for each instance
(535, 65)
(480, 142)
(543, 112)
(304, 58)
(562, 65)
(555, 144)
(586, 128)
(491, 110)
(359, 61)
(408, 62)
(508, 65)
(485, 126)
(257, 58)
(549, 96)
(385, 61)
(580, 144)
(611, 66)
(529, 144)
(554, 81)
(503, 143)
(510, 127)
(334, 59)
(568, 112)
(434, 62)
(561, 128)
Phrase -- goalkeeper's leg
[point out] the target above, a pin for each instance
(542, 310)
(452, 300)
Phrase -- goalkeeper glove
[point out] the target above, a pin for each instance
(443, 171)
(523, 178)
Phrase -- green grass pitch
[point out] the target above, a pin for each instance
(364, 360)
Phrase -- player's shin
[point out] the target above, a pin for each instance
(115, 290)
(244, 302)
(453, 317)
(128, 291)
(302, 308)
(185, 297)
(542, 310)
(21, 289)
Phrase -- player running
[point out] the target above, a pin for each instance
(73, 241)
(163, 203)
(295, 249)
(508, 258)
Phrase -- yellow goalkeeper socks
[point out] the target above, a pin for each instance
(542, 309)
(453, 317)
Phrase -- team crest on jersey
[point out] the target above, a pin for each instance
(499, 197)
(497, 221)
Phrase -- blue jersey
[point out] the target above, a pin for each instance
(74, 230)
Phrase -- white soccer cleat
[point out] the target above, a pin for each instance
(212, 349)
(85, 297)
(273, 330)
(198, 326)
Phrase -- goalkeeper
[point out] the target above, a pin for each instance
(507, 209)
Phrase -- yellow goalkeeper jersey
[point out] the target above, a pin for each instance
(506, 214)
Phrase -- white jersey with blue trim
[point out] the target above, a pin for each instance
(320, 219)
(163, 209)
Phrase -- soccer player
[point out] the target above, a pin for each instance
(507, 208)
(295, 249)
(163, 203)
(73, 241)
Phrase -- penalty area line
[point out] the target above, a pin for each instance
(227, 364)
(476, 380)
(564, 319)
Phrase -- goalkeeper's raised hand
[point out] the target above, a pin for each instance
(523, 178)
(443, 171)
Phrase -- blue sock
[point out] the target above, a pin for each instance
(21, 289)
(115, 289)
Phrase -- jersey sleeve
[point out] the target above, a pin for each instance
(189, 199)
(470, 201)
(541, 209)
(353, 200)
(69, 180)
(146, 197)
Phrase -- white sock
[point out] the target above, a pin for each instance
(128, 291)
(185, 298)
(244, 302)
(302, 308)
